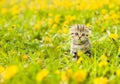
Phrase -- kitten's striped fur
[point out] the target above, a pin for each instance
(80, 40)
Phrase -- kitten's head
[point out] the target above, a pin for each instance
(79, 33)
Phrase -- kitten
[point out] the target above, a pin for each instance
(80, 40)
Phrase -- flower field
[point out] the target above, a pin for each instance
(35, 42)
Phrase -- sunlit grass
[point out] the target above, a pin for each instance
(35, 41)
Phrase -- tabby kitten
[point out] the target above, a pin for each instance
(80, 40)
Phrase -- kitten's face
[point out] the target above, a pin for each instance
(79, 33)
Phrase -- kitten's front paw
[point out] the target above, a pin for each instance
(75, 56)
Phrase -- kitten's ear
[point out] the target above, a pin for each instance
(89, 29)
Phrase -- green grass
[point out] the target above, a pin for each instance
(19, 37)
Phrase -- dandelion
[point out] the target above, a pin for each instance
(101, 80)
(47, 39)
(79, 76)
(9, 72)
(103, 63)
(69, 72)
(50, 21)
(73, 18)
(80, 53)
(39, 61)
(15, 10)
(79, 60)
(36, 26)
(59, 31)
(118, 72)
(88, 25)
(114, 36)
(57, 18)
(50, 14)
(4, 10)
(1, 69)
(66, 31)
(54, 26)
(64, 77)
(25, 57)
(66, 22)
(103, 57)
(104, 11)
(41, 75)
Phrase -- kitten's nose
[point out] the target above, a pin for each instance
(79, 37)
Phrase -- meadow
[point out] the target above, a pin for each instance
(35, 42)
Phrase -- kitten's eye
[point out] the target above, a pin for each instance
(76, 33)
(83, 34)
(86, 34)
(71, 33)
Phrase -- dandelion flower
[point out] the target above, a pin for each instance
(64, 77)
(79, 60)
(66, 31)
(118, 72)
(42, 74)
(80, 53)
(47, 39)
(100, 80)
(1, 69)
(9, 72)
(79, 76)
(103, 63)
(114, 36)
(25, 57)
(103, 57)
(69, 72)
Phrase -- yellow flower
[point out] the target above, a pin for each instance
(79, 60)
(37, 25)
(57, 18)
(66, 31)
(1, 69)
(47, 39)
(15, 9)
(9, 72)
(39, 61)
(59, 31)
(103, 57)
(50, 21)
(88, 25)
(50, 14)
(73, 18)
(54, 26)
(114, 36)
(104, 11)
(4, 10)
(103, 63)
(118, 72)
(41, 75)
(25, 57)
(80, 53)
(100, 80)
(64, 77)
(69, 72)
(79, 76)
(66, 22)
